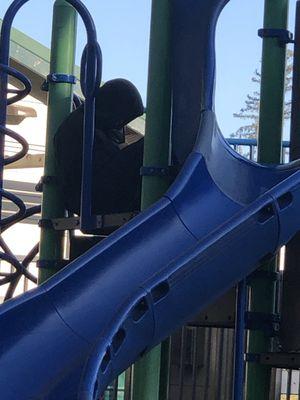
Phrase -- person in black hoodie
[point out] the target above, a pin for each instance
(116, 181)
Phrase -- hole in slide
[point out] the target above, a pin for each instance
(160, 291)
(285, 200)
(140, 309)
(266, 213)
(105, 361)
(118, 339)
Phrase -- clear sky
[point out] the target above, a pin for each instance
(123, 32)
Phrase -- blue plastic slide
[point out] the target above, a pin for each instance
(70, 337)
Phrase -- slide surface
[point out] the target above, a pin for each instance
(71, 336)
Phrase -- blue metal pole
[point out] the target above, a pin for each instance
(239, 361)
(4, 61)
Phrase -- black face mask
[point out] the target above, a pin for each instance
(116, 135)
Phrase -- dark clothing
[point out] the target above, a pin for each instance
(116, 181)
(117, 184)
(117, 103)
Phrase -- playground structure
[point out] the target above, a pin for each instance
(118, 300)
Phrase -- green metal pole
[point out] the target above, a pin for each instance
(150, 376)
(157, 137)
(59, 106)
(263, 295)
(272, 84)
(290, 317)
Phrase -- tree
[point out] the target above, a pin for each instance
(250, 112)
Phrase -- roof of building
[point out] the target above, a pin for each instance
(33, 59)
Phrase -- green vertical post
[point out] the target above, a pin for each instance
(150, 376)
(157, 137)
(59, 106)
(272, 84)
(269, 151)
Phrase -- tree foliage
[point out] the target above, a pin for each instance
(250, 112)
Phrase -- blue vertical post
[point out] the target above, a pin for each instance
(4, 59)
(239, 361)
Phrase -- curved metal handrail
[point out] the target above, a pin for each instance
(91, 72)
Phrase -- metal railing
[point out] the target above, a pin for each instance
(248, 148)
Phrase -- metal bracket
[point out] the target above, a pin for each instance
(52, 264)
(58, 78)
(46, 223)
(46, 179)
(284, 36)
(252, 357)
(220, 314)
(65, 224)
(281, 360)
(170, 171)
(60, 224)
(276, 360)
(106, 223)
(258, 321)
